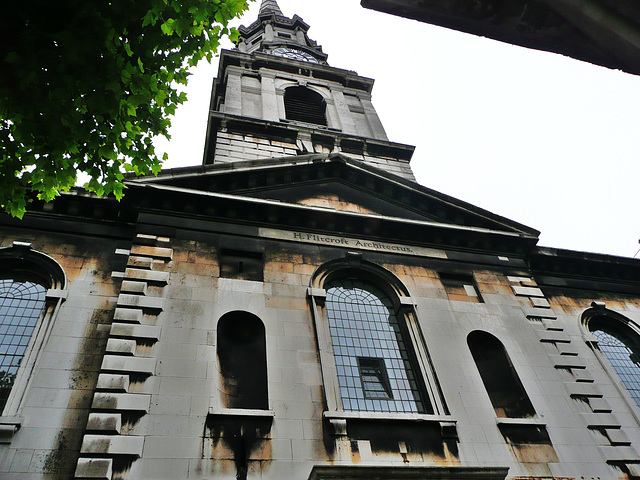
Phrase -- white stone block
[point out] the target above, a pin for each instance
(567, 361)
(105, 423)
(553, 336)
(617, 437)
(127, 402)
(121, 346)
(153, 252)
(150, 332)
(94, 468)
(140, 262)
(129, 315)
(130, 286)
(600, 420)
(146, 275)
(619, 453)
(117, 363)
(150, 303)
(600, 405)
(540, 302)
(112, 445)
(581, 389)
(114, 383)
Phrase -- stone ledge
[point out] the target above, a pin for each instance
(128, 315)
(122, 364)
(552, 336)
(581, 389)
(615, 454)
(533, 422)
(127, 330)
(153, 252)
(146, 303)
(94, 468)
(114, 383)
(112, 445)
(120, 346)
(126, 402)
(8, 428)
(567, 361)
(356, 472)
(104, 423)
(150, 276)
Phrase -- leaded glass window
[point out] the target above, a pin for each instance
(21, 303)
(623, 352)
(374, 358)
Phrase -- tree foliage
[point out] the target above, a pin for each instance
(86, 85)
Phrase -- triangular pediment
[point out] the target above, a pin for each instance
(334, 183)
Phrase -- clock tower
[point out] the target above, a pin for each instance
(276, 96)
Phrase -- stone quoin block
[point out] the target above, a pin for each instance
(127, 330)
(94, 468)
(132, 402)
(112, 445)
(117, 363)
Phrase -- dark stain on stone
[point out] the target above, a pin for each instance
(104, 317)
(244, 436)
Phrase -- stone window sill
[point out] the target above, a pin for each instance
(339, 420)
(355, 472)
(8, 427)
(241, 412)
(521, 421)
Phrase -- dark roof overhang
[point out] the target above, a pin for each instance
(602, 32)
(569, 269)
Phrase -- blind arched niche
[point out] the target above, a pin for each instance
(507, 395)
(242, 358)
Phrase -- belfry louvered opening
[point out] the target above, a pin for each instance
(304, 105)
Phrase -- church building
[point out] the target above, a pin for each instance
(298, 307)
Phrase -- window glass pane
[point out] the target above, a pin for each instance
(374, 363)
(20, 306)
(623, 353)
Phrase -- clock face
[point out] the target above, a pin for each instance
(294, 54)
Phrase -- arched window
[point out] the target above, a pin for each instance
(21, 304)
(242, 357)
(374, 358)
(31, 286)
(621, 345)
(507, 395)
(304, 105)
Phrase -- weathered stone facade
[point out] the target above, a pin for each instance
(190, 330)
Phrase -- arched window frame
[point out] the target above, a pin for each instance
(283, 82)
(313, 92)
(405, 309)
(598, 310)
(42, 269)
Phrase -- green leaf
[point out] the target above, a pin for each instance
(82, 104)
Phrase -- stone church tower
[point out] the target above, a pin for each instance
(299, 308)
(277, 96)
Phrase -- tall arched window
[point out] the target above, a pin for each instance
(621, 345)
(374, 358)
(31, 286)
(21, 304)
(242, 356)
(304, 105)
(507, 395)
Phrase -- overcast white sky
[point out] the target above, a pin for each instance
(545, 140)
